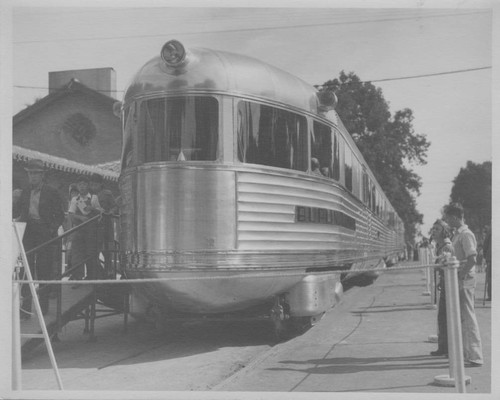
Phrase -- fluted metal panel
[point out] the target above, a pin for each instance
(272, 224)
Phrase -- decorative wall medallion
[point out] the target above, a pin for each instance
(80, 128)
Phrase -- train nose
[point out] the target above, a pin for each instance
(183, 209)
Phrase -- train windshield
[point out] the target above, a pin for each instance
(271, 136)
(171, 129)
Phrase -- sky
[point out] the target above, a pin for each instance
(450, 45)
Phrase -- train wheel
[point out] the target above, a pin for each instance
(280, 321)
(299, 325)
(162, 325)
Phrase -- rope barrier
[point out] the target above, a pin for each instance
(231, 276)
(456, 375)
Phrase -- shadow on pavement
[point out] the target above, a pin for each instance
(345, 365)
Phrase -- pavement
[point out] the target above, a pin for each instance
(376, 340)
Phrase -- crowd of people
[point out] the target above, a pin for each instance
(42, 209)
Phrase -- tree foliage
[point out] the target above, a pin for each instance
(388, 143)
(472, 188)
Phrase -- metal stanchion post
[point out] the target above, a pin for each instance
(432, 282)
(456, 375)
(486, 283)
(16, 333)
(38, 309)
(421, 262)
(424, 255)
(433, 305)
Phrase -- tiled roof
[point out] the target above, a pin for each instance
(113, 166)
(22, 154)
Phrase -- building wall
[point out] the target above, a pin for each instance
(77, 127)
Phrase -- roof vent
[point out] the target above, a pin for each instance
(327, 99)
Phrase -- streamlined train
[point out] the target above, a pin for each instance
(242, 191)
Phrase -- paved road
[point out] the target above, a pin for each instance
(376, 340)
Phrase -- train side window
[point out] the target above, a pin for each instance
(392, 222)
(356, 180)
(178, 129)
(370, 194)
(271, 136)
(373, 196)
(366, 188)
(129, 130)
(336, 157)
(348, 167)
(321, 147)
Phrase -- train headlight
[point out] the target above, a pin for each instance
(327, 99)
(173, 53)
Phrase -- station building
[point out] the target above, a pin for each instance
(73, 130)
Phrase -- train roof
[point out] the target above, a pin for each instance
(217, 71)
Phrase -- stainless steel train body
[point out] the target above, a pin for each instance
(219, 197)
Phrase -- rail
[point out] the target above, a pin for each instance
(65, 234)
(106, 268)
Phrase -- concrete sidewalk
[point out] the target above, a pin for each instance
(375, 340)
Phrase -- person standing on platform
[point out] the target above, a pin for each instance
(68, 224)
(16, 196)
(105, 230)
(41, 207)
(441, 234)
(84, 249)
(105, 196)
(487, 258)
(465, 247)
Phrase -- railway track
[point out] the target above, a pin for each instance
(201, 355)
(196, 356)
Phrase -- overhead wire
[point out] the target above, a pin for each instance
(64, 88)
(280, 27)
(364, 81)
(253, 29)
(428, 75)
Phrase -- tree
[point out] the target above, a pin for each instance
(472, 188)
(389, 144)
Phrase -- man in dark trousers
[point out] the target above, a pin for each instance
(40, 206)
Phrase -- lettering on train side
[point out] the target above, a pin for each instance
(314, 215)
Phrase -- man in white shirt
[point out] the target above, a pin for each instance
(465, 246)
(84, 250)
